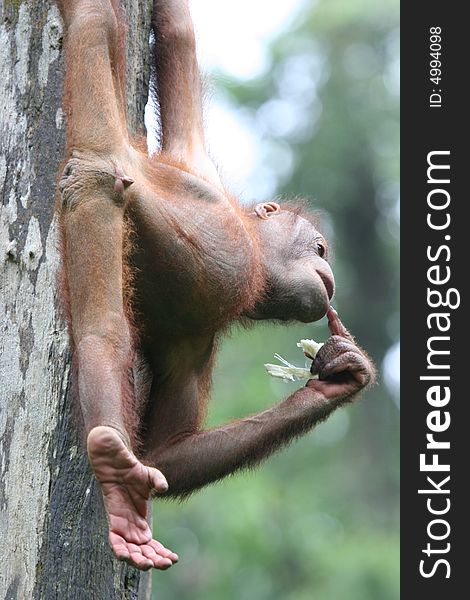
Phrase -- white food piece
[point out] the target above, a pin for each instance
(310, 347)
(289, 372)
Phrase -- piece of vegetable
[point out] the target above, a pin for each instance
(290, 372)
(310, 347)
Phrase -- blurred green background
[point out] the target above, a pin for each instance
(320, 520)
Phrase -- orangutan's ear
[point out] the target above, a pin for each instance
(265, 209)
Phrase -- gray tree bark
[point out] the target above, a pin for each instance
(53, 530)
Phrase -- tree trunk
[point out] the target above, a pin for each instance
(52, 523)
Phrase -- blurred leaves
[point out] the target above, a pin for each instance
(320, 520)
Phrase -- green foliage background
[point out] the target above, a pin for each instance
(320, 520)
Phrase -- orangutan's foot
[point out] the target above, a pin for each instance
(127, 486)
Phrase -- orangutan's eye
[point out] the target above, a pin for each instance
(321, 249)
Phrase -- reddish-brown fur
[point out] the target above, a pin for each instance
(158, 260)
